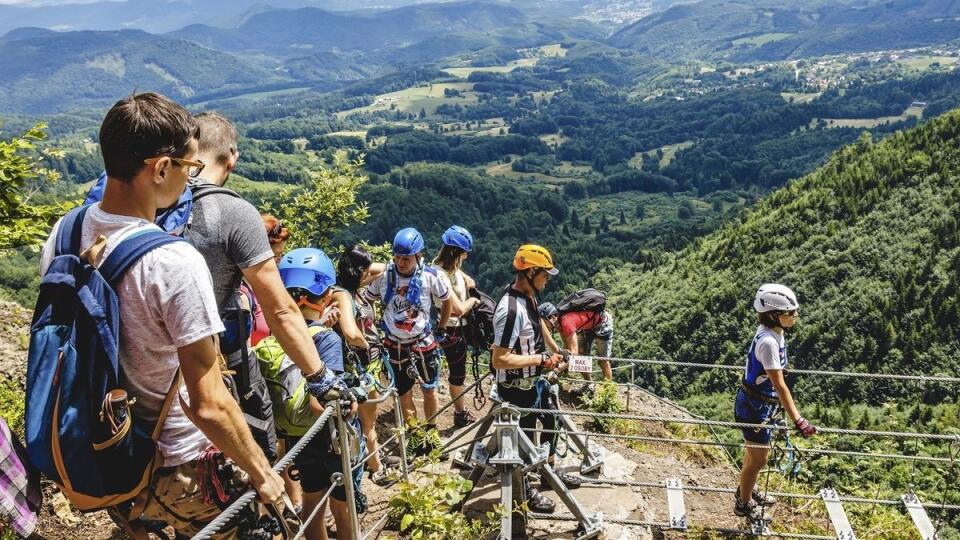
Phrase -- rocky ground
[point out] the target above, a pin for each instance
(623, 461)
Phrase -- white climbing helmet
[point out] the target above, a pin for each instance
(775, 297)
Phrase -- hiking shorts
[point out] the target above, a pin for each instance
(408, 365)
(533, 398)
(176, 498)
(753, 411)
(601, 346)
(317, 463)
(455, 352)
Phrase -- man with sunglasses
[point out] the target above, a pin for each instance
(230, 234)
(168, 317)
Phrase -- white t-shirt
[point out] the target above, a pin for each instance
(768, 351)
(403, 320)
(166, 302)
(459, 287)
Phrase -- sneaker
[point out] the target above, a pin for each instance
(382, 477)
(462, 419)
(569, 480)
(538, 502)
(763, 499)
(749, 509)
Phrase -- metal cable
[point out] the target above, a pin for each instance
(231, 511)
(666, 526)
(316, 510)
(382, 446)
(824, 451)
(827, 373)
(739, 425)
(821, 372)
(375, 528)
(805, 496)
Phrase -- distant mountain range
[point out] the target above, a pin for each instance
(44, 71)
(231, 47)
(297, 32)
(159, 17)
(744, 30)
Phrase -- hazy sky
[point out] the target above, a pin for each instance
(46, 2)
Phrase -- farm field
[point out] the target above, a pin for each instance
(800, 97)
(911, 112)
(924, 63)
(254, 96)
(427, 97)
(464, 72)
(761, 39)
(669, 151)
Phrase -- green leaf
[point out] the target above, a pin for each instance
(406, 521)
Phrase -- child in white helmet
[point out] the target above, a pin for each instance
(763, 390)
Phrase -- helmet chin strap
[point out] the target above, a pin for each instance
(302, 301)
(526, 275)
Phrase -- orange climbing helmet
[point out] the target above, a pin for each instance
(534, 256)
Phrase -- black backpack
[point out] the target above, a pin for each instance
(478, 332)
(589, 299)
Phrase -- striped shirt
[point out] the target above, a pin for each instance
(516, 324)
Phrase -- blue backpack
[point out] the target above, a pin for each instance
(176, 219)
(79, 432)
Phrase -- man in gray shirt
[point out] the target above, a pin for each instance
(229, 233)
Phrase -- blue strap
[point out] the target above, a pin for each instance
(71, 230)
(130, 250)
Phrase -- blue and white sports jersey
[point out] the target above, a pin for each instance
(768, 350)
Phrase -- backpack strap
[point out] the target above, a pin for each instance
(167, 403)
(202, 189)
(71, 231)
(130, 250)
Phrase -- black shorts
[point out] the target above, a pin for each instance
(317, 463)
(408, 365)
(455, 352)
(532, 399)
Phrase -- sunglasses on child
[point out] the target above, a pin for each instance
(277, 230)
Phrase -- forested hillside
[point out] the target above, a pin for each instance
(779, 29)
(869, 243)
(47, 71)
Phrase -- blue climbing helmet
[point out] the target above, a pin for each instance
(308, 269)
(457, 236)
(408, 241)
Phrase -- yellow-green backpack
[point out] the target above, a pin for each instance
(287, 386)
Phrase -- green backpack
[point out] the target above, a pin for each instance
(287, 386)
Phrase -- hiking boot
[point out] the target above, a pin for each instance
(763, 499)
(538, 502)
(584, 392)
(749, 509)
(383, 476)
(569, 480)
(391, 461)
(462, 419)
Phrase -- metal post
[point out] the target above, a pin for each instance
(592, 525)
(344, 439)
(401, 436)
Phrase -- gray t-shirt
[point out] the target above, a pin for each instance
(229, 233)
